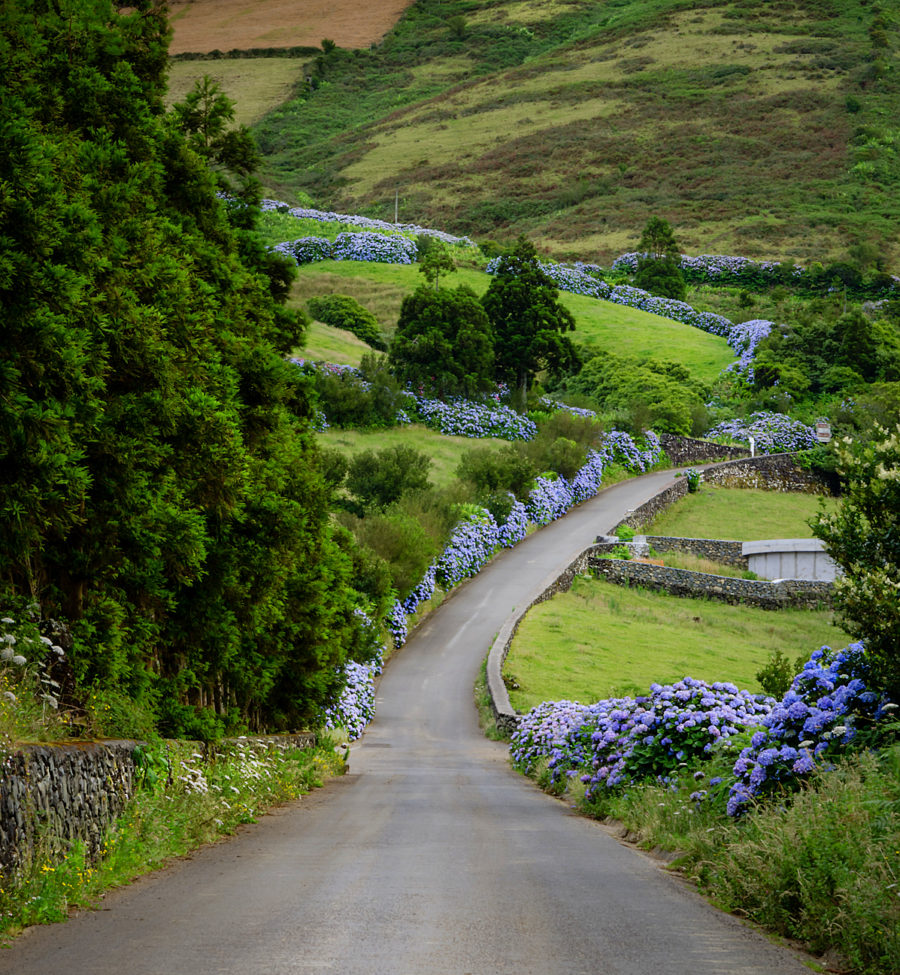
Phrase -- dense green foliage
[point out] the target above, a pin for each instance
(823, 352)
(863, 537)
(658, 270)
(527, 319)
(379, 478)
(443, 342)
(643, 393)
(159, 483)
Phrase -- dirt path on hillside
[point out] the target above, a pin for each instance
(209, 25)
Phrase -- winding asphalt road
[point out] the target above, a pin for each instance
(431, 857)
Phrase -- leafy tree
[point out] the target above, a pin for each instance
(527, 319)
(434, 260)
(160, 487)
(659, 267)
(863, 537)
(380, 478)
(204, 116)
(443, 342)
(370, 400)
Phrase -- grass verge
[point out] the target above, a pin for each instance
(193, 803)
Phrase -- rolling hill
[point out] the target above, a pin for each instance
(763, 129)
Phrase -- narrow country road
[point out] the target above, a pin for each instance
(432, 857)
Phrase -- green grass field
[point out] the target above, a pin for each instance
(255, 85)
(327, 344)
(445, 452)
(740, 514)
(600, 324)
(601, 640)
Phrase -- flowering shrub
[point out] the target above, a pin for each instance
(622, 740)
(515, 528)
(362, 246)
(365, 246)
(744, 339)
(771, 432)
(620, 447)
(578, 278)
(464, 418)
(819, 715)
(355, 707)
(307, 250)
(472, 542)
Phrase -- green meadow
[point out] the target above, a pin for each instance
(742, 514)
(600, 325)
(602, 640)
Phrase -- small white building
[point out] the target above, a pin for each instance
(791, 558)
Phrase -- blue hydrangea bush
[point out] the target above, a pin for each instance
(657, 738)
(826, 709)
(619, 741)
(771, 432)
(465, 418)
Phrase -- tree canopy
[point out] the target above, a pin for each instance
(160, 488)
(659, 266)
(443, 342)
(522, 304)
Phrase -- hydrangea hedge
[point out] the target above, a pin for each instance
(771, 432)
(365, 223)
(361, 246)
(621, 741)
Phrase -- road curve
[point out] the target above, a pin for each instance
(431, 857)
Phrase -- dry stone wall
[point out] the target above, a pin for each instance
(60, 793)
(687, 450)
(682, 582)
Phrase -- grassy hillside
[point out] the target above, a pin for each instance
(601, 640)
(765, 129)
(740, 513)
(599, 324)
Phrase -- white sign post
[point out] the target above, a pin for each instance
(823, 431)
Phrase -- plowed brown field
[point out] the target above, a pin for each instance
(224, 25)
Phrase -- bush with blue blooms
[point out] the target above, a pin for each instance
(620, 741)
(827, 707)
(624, 740)
(771, 432)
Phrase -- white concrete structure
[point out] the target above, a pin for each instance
(790, 558)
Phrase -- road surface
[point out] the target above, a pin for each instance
(431, 857)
